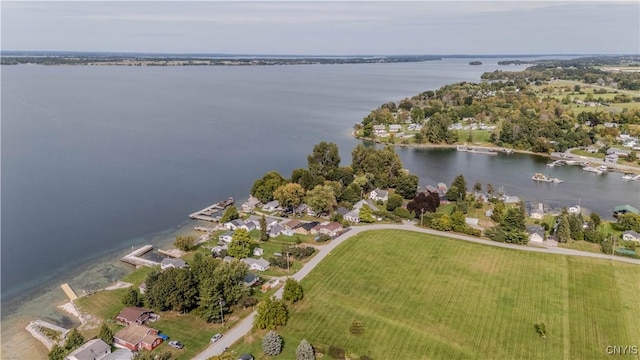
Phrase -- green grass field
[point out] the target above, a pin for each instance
(427, 297)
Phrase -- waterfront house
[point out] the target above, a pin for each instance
(395, 127)
(216, 250)
(257, 264)
(226, 237)
(137, 337)
(623, 209)
(353, 216)
(379, 195)
(95, 349)
(133, 315)
(378, 127)
(271, 206)
(611, 159)
(168, 263)
(234, 224)
(631, 235)
(250, 204)
(536, 233)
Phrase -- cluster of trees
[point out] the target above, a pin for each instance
(511, 225)
(629, 221)
(271, 313)
(209, 287)
(292, 291)
(324, 184)
(74, 341)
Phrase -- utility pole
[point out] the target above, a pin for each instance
(221, 312)
(287, 261)
(421, 215)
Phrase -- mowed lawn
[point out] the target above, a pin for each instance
(427, 297)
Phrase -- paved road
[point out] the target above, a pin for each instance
(245, 325)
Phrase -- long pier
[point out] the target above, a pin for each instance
(206, 214)
(134, 258)
(483, 150)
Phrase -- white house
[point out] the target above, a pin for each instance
(352, 216)
(172, 263)
(234, 224)
(257, 264)
(271, 206)
(630, 235)
(369, 203)
(379, 195)
(249, 225)
(395, 127)
(536, 233)
(258, 251)
(226, 237)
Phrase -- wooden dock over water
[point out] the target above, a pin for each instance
(134, 258)
(69, 291)
(207, 213)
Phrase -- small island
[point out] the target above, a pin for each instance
(475, 62)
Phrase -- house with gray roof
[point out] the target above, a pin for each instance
(353, 216)
(379, 195)
(167, 263)
(95, 349)
(367, 202)
(271, 206)
(631, 235)
(276, 230)
(234, 224)
(226, 237)
(257, 264)
(536, 233)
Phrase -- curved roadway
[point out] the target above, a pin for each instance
(244, 326)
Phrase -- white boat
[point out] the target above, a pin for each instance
(603, 168)
(636, 178)
(543, 178)
(592, 170)
(627, 176)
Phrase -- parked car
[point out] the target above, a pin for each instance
(164, 337)
(176, 344)
(216, 337)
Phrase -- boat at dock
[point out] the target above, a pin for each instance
(556, 163)
(543, 178)
(213, 212)
(631, 177)
(476, 150)
(592, 169)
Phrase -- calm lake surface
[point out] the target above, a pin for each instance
(96, 160)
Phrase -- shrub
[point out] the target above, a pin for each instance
(322, 238)
(305, 351)
(292, 291)
(336, 352)
(541, 329)
(272, 343)
(185, 243)
(356, 327)
(403, 213)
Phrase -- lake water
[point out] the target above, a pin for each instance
(96, 160)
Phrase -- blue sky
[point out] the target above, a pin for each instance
(324, 28)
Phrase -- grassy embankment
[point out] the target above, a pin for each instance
(422, 296)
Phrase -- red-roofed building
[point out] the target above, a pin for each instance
(137, 337)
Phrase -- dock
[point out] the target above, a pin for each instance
(134, 258)
(69, 291)
(207, 214)
(174, 253)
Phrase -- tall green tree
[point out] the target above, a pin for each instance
(407, 186)
(264, 187)
(132, 298)
(106, 334)
(564, 229)
(395, 201)
(231, 213)
(321, 199)
(324, 159)
(289, 195)
(292, 291)
(185, 242)
(241, 244)
(263, 229)
(366, 215)
(74, 340)
(271, 313)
